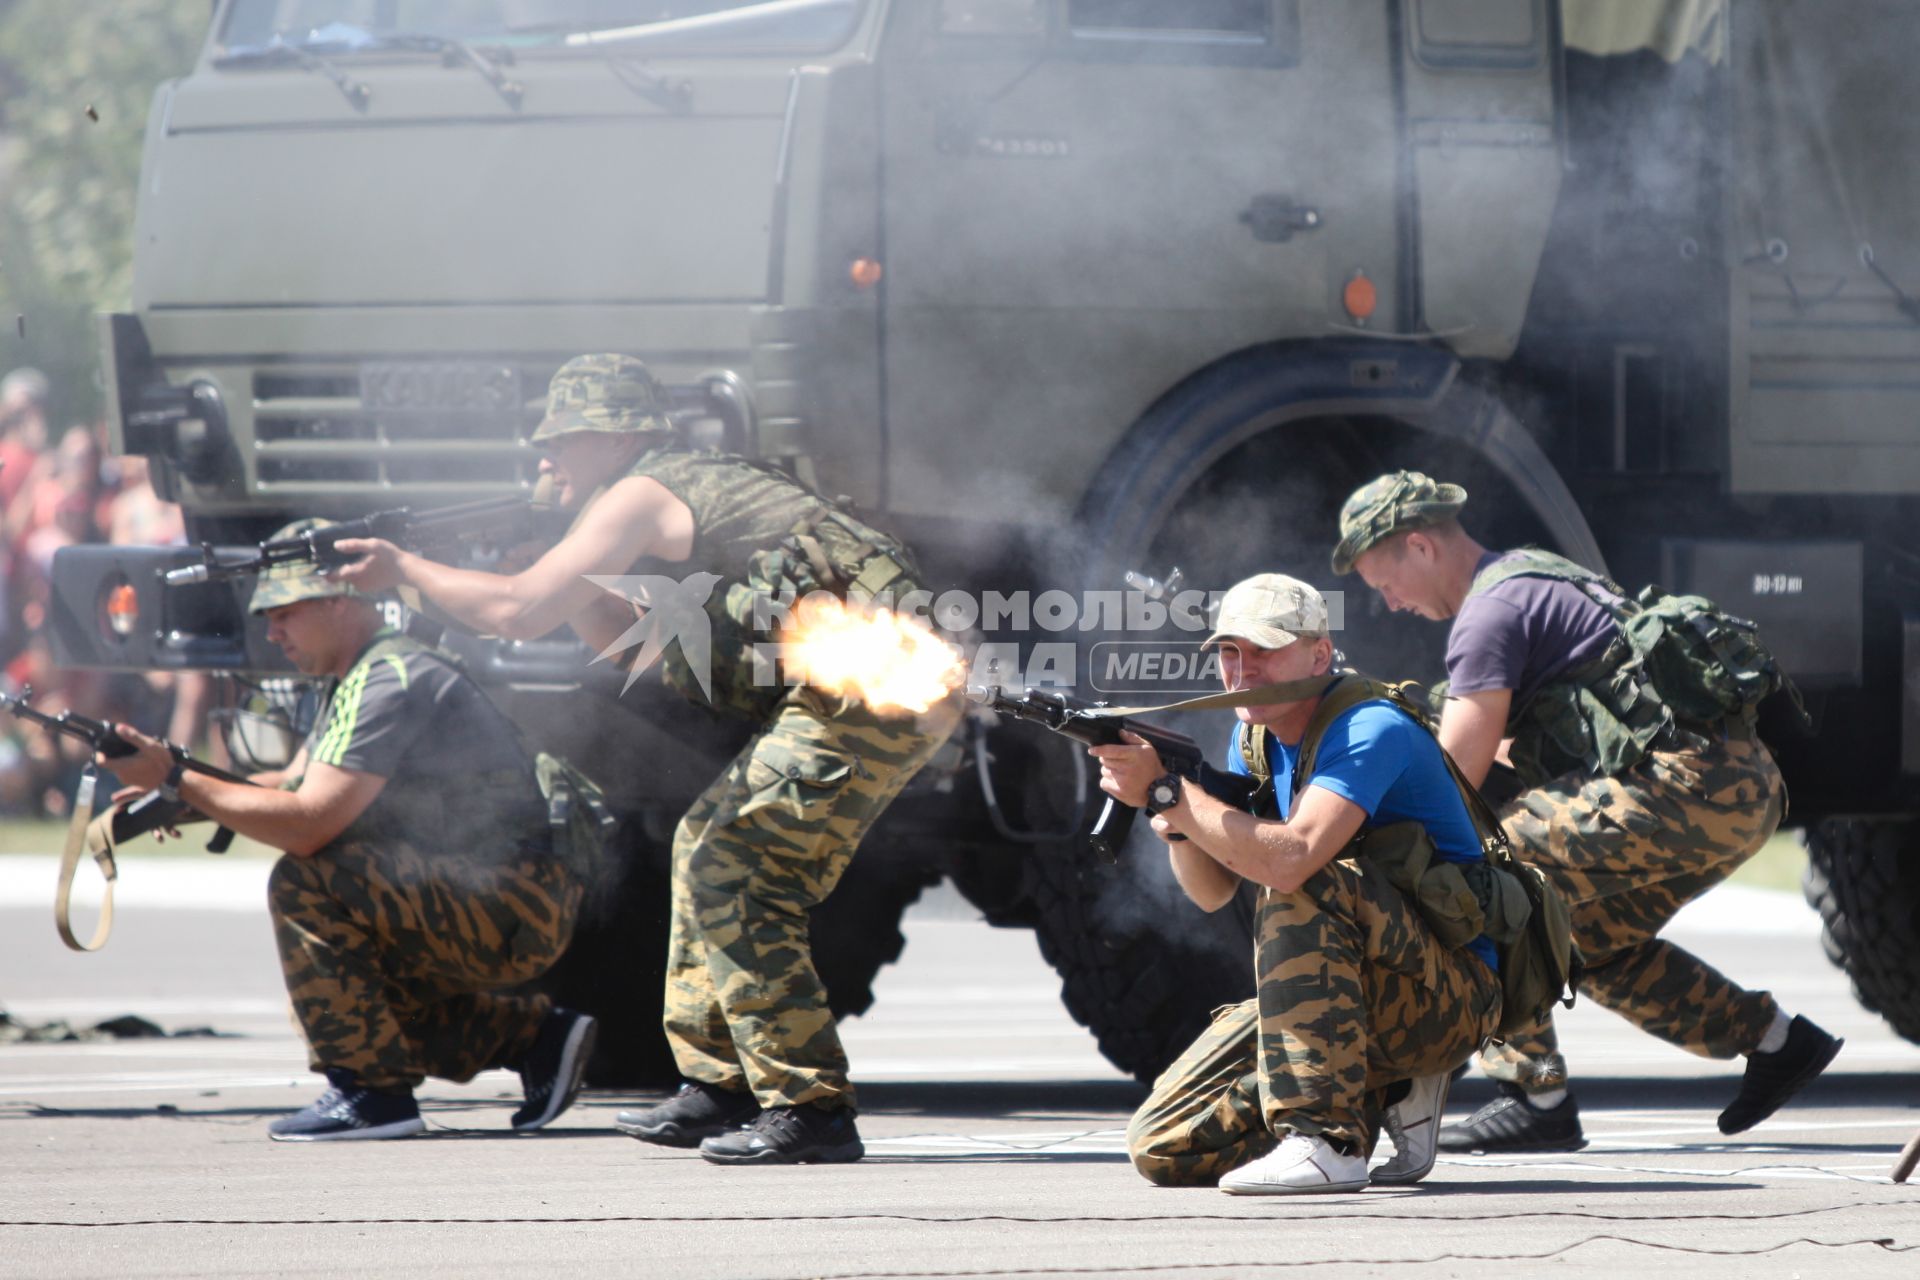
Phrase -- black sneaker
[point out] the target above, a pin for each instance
(348, 1111)
(696, 1113)
(1511, 1123)
(807, 1134)
(550, 1073)
(1772, 1078)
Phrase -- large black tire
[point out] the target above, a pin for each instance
(1863, 877)
(615, 967)
(1139, 965)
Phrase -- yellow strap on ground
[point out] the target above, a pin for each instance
(83, 833)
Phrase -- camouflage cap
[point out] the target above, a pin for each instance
(301, 580)
(610, 393)
(1392, 504)
(1271, 610)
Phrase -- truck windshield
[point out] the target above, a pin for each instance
(349, 26)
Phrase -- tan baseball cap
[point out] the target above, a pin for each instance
(1270, 610)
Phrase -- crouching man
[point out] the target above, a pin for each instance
(419, 878)
(1362, 1009)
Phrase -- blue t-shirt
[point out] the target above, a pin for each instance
(1376, 757)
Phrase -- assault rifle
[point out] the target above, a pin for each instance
(152, 811)
(1092, 724)
(497, 521)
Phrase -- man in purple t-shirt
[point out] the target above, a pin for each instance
(1630, 810)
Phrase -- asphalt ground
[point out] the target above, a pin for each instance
(994, 1134)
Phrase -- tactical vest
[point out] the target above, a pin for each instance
(1510, 902)
(1676, 660)
(769, 538)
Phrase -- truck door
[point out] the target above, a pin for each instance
(1105, 195)
(1482, 150)
(1826, 270)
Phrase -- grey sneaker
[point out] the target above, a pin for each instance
(808, 1134)
(1511, 1123)
(689, 1117)
(1414, 1125)
(349, 1111)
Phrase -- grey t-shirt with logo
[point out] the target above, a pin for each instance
(1522, 634)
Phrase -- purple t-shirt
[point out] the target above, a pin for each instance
(1523, 633)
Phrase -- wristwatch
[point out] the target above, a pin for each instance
(170, 789)
(1163, 793)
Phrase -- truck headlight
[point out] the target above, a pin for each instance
(185, 425)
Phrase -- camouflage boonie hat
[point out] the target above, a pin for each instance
(611, 393)
(1391, 504)
(1271, 610)
(301, 580)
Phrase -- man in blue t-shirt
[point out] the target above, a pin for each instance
(1357, 999)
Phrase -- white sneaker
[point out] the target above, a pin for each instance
(1414, 1125)
(1301, 1164)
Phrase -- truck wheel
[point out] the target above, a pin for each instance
(1139, 965)
(856, 931)
(1863, 877)
(615, 967)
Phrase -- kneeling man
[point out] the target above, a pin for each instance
(419, 880)
(1362, 1010)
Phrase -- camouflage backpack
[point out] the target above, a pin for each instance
(1677, 658)
(1707, 664)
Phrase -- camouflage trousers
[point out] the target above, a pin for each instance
(1627, 852)
(772, 836)
(393, 957)
(1354, 994)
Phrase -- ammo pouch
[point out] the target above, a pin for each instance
(1538, 961)
(1512, 903)
(577, 816)
(1402, 853)
(1459, 901)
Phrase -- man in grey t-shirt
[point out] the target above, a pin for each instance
(1630, 810)
(419, 888)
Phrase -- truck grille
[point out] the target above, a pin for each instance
(383, 426)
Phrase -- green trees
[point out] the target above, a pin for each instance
(76, 78)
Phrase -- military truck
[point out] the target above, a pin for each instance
(1061, 289)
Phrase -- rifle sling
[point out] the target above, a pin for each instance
(78, 838)
(1265, 695)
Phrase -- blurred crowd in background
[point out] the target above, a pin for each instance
(59, 489)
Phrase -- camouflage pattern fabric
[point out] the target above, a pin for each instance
(395, 959)
(750, 519)
(297, 580)
(1391, 504)
(745, 1010)
(1627, 852)
(610, 393)
(1355, 993)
